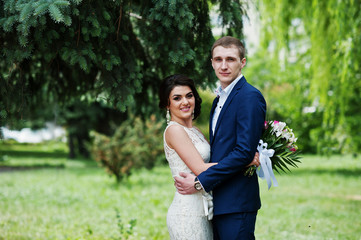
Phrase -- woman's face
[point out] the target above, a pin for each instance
(181, 103)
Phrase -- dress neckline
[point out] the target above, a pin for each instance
(180, 124)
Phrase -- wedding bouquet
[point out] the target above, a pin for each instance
(277, 150)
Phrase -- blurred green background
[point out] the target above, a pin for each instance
(92, 69)
(75, 199)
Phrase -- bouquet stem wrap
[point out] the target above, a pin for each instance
(265, 170)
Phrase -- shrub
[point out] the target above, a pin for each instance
(135, 144)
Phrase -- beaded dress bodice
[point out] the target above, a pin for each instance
(188, 215)
(176, 164)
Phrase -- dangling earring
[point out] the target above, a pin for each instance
(167, 116)
(193, 115)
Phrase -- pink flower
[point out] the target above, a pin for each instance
(293, 149)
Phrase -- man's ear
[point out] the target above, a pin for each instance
(243, 62)
(212, 63)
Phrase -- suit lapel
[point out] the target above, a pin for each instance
(233, 93)
(215, 101)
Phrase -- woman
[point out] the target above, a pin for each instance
(186, 150)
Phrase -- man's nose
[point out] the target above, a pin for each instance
(224, 64)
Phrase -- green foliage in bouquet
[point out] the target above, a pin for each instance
(277, 145)
(135, 144)
(281, 139)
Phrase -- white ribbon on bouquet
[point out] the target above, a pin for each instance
(208, 205)
(265, 170)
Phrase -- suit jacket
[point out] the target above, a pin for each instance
(233, 146)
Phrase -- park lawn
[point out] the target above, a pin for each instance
(319, 200)
(19, 155)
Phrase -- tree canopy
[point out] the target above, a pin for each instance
(113, 52)
(309, 64)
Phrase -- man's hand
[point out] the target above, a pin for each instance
(185, 183)
(255, 161)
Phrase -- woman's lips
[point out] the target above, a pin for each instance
(185, 109)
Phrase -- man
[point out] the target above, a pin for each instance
(236, 124)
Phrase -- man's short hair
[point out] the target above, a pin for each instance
(228, 42)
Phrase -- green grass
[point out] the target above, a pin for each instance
(319, 200)
(19, 155)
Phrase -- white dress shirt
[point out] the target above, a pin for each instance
(223, 95)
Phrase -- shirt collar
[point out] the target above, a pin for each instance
(228, 89)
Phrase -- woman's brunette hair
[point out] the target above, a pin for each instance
(178, 80)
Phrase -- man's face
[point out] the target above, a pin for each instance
(227, 64)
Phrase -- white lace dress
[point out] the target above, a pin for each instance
(188, 215)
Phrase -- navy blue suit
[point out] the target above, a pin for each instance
(233, 146)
